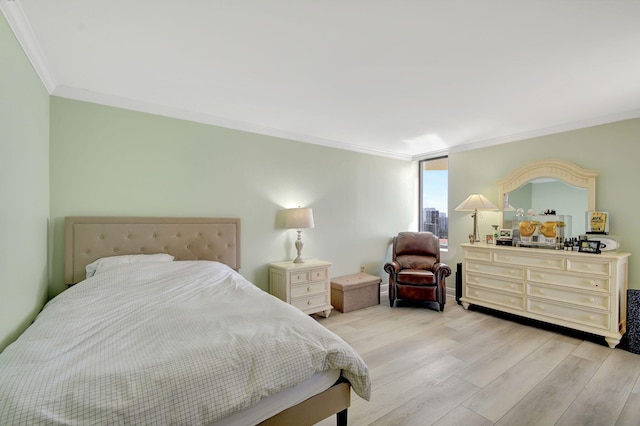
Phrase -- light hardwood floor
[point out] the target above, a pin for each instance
(461, 367)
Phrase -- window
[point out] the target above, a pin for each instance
(434, 188)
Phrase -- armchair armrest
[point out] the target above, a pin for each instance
(441, 270)
(392, 268)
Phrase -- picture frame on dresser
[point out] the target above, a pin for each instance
(589, 246)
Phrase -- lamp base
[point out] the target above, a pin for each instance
(299, 246)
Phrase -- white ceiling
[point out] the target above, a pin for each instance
(399, 78)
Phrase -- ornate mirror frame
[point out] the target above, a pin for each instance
(562, 170)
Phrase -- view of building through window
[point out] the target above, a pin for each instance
(434, 186)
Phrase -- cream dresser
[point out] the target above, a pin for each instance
(581, 291)
(307, 286)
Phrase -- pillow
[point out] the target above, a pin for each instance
(105, 262)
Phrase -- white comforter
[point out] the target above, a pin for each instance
(163, 343)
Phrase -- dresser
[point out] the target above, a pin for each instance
(307, 286)
(581, 291)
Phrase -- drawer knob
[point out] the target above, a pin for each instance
(587, 266)
(512, 286)
(512, 301)
(541, 307)
(476, 279)
(308, 302)
(541, 275)
(592, 300)
(308, 288)
(475, 293)
(541, 291)
(591, 317)
(512, 272)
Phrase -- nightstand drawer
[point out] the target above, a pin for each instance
(298, 277)
(301, 290)
(310, 302)
(319, 274)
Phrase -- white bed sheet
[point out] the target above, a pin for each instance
(272, 405)
(169, 342)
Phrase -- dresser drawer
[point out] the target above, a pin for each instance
(310, 302)
(589, 267)
(478, 254)
(493, 269)
(301, 290)
(498, 284)
(528, 260)
(584, 282)
(495, 297)
(568, 313)
(587, 300)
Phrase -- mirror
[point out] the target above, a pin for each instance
(549, 184)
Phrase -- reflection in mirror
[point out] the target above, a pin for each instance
(549, 194)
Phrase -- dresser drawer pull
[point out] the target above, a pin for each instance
(541, 291)
(593, 283)
(591, 317)
(308, 302)
(476, 279)
(308, 289)
(512, 286)
(475, 293)
(541, 307)
(512, 272)
(540, 275)
(592, 300)
(512, 301)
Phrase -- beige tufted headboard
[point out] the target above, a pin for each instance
(88, 238)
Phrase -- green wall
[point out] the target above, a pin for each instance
(24, 188)
(111, 161)
(612, 149)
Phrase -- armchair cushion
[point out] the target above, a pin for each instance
(409, 261)
(416, 277)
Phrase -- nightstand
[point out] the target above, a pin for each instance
(307, 286)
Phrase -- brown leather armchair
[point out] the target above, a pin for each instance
(415, 271)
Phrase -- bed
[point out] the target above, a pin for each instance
(158, 327)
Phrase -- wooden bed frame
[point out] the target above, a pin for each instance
(88, 238)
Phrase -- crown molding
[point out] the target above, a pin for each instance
(560, 128)
(172, 112)
(13, 13)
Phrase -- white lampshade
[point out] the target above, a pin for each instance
(299, 218)
(476, 202)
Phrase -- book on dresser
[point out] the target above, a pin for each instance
(580, 291)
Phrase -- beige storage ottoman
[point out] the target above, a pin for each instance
(356, 291)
